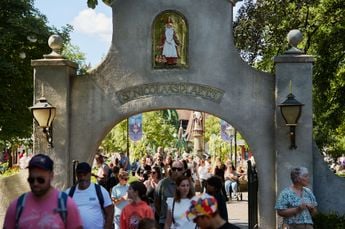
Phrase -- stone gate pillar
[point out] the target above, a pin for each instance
(294, 67)
(52, 79)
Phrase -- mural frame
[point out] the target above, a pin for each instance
(180, 28)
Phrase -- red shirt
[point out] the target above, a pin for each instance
(133, 213)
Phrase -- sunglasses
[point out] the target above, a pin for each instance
(153, 172)
(176, 169)
(124, 179)
(39, 180)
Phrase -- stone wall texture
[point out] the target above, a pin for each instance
(10, 188)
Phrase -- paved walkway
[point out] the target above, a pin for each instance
(238, 212)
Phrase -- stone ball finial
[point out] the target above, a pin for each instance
(294, 37)
(55, 42)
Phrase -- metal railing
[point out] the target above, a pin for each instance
(252, 196)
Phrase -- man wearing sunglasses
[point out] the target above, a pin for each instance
(95, 206)
(166, 188)
(39, 208)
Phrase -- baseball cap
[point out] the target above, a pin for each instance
(83, 167)
(41, 161)
(202, 205)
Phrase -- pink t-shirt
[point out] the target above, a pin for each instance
(42, 214)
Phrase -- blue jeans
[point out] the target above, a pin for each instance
(231, 184)
(117, 222)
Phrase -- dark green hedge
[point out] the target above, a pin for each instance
(329, 221)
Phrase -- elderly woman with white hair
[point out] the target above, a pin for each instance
(297, 203)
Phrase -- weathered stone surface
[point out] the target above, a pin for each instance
(10, 188)
(216, 81)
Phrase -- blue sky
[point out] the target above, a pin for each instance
(92, 28)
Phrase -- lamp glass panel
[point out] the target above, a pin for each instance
(52, 116)
(42, 116)
(290, 114)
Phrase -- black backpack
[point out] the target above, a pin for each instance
(98, 192)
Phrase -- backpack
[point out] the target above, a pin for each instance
(98, 192)
(62, 207)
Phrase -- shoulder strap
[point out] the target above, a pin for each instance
(100, 197)
(20, 207)
(172, 211)
(62, 206)
(71, 191)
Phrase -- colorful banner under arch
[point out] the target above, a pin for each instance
(135, 127)
(224, 133)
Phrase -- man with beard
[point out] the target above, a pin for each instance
(40, 208)
(95, 206)
(166, 188)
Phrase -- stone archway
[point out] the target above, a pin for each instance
(216, 81)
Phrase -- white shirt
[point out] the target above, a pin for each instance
(179, 214)
(203, 172)
(89, 207)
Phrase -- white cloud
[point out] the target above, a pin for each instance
(91, 23)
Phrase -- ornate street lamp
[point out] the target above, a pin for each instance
(44, 114)
(291, 111)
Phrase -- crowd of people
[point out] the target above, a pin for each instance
(163, 194)
(170, 185)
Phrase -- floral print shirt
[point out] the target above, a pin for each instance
(289, 199)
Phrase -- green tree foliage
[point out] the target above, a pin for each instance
(171, 116)
(93, 3)
(157, 131)
(260, 33)
(217, 146)
(23, 37)
(73, 53)
(116, 139)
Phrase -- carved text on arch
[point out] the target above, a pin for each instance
(166, 89)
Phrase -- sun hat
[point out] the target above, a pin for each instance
(202, 205)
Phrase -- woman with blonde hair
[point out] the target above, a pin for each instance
(231, 180)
